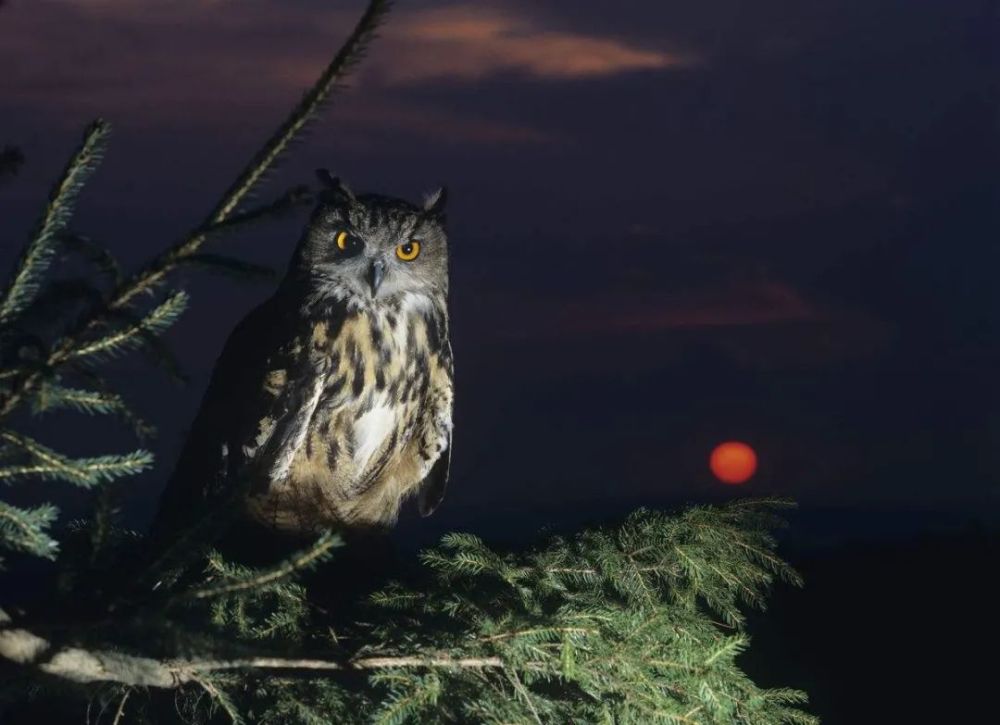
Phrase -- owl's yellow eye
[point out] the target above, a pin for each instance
(409, 251)
(342, 241)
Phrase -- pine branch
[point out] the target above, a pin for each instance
(25, 529)
(142, 429)
(52, 396)
(244, 581)
(294, 197)
(37, 255)
(346, 59)
(135, 335)
(85, 472)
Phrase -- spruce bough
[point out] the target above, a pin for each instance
(636, 623)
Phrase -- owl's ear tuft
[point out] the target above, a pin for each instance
(435, 202)
(335, 191)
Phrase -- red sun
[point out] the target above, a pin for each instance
(733, 462)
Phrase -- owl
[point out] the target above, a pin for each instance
(331, 403)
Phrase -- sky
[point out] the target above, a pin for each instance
(672, 224)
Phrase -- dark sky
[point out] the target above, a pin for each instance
(673, 223)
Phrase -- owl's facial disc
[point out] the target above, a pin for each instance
(369, 250)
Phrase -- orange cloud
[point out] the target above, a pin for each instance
(469, 43)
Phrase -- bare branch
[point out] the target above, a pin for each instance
(82, 665)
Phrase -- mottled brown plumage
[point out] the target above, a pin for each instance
(333, 400)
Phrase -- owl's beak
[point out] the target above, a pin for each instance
(375, 275)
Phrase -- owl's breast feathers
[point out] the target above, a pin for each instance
(339, 418)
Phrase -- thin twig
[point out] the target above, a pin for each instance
(535, 630)
(121, 707)
(522, 691)
(569, 570)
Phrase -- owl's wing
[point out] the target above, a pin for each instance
(236, 403)
(291, 412)
(233, 397)
(432, 488)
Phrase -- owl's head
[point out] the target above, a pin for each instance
(367, 249)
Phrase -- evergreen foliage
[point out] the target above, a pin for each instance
(638, 623)
(612, 625)
(29, 377)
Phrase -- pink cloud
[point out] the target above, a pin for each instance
(468, 42)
